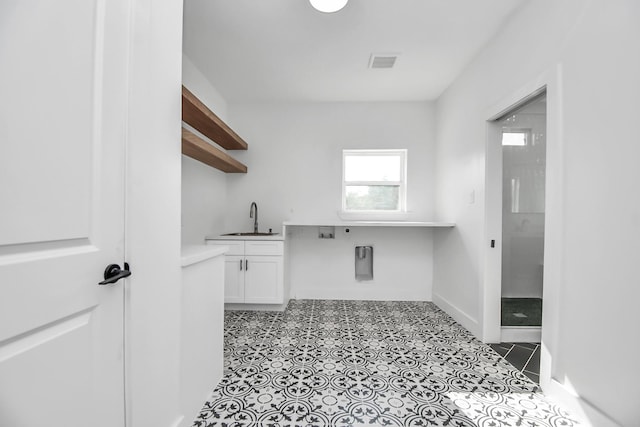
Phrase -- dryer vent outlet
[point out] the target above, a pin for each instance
(364, 262)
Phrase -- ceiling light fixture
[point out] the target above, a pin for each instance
(328, 6)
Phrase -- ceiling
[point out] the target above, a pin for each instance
(284, 50)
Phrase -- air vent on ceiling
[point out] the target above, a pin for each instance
(380, 60)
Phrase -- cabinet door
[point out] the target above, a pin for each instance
(263, 281)
(233, 278)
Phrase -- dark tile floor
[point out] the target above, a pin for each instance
(521, 312)
(356, 363)
(525, 357)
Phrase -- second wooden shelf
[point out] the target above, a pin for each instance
(197, 148)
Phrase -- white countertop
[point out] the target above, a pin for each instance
(192, 254)
(338, 223)
(223, 237)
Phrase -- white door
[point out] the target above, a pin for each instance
(63, 92)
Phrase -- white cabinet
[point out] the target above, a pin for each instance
(234, 278)
(202, 327)
(253, 271)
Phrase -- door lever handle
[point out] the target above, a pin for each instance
(113, 273)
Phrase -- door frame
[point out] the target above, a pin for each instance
(153, 215)
(493, 217)
(551, 82)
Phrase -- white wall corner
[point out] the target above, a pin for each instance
(458, 315)
(204, 189)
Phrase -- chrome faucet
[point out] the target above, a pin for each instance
(253, 208)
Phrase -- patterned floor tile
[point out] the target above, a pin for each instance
(356, 363)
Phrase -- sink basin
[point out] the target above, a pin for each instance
(250, 234)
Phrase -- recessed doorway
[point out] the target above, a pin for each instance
(518, 148)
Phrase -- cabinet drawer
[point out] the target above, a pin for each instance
(236, 247)
(263, 247)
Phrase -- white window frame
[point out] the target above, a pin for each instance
(402, 184)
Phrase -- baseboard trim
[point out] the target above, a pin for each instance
(255, 307)
(458, 315)
(520, 334)
(356, 294)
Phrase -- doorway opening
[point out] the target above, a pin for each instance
(522, 138)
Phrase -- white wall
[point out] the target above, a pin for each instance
(295, 157)
(324, 268)
(203, 187)
(199, 85)
(295, 172)
(203, 196)
(594, 296)
(152, 317)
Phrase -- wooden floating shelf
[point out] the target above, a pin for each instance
(196, 114)
(197, 148)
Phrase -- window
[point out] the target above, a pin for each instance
(515, 137)
(374, 181)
